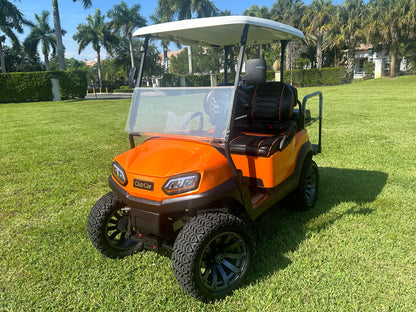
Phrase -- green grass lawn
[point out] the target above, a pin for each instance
(355, 251)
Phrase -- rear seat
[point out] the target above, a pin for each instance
(264, 123)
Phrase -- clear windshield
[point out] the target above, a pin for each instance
(201, 112)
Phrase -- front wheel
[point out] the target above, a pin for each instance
(107, 228)
(211, 255)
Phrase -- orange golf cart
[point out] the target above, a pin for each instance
(210, 159)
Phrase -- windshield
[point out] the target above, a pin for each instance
(201, 112)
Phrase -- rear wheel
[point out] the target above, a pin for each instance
(211, 255)
(303, 198)
(107, 228)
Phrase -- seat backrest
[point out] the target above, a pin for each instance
(263, 106)
(273, 102)
(256, 72)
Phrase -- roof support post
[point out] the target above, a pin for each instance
(144, 53)
(245, 193)
(133, 114)
(243, 41)
(244, 190)
(236, 82)
(283, 44)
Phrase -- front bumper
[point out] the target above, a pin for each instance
(164, 218)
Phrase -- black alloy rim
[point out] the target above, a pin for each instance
(223, 261)
(116, 231)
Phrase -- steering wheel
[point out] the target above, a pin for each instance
(192, 117)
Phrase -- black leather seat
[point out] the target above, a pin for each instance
(258, 146)
(269, 115)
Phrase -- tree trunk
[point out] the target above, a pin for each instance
(131, 51)
(3, 65)
(46, 62)
(350, 60)
(319, 52)
(190, 60)
(165, 57)
(392, 64)
(394, 50)
(288, 55)
(58, 33)
(99, 69)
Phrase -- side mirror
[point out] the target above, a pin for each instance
(255, 72)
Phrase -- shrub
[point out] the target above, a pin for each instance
(123, 90)
(369, 70)
(171, 80)
(110, 85)
(198, 80)
(37, 86)
(230, 77)
(270, 75)
(72, 84)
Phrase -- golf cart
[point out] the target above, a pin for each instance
(210, 158)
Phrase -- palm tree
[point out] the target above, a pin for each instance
(289, 12)
(11, 20)
(97, 33)
(316, 23)
(391, 25)
(202, 8)
(256, 11)
(126, 19)
(347, 29)
(163, 14)
(184, 9)
(41, 33)
(58, 30)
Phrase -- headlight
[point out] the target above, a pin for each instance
(119, 174)
(182, 183)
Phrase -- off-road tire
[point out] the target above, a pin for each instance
(303, 198)
(106, 231)
(212, 255)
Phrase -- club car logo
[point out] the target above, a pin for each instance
(145, 185)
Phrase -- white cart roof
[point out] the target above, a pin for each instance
(221, 31)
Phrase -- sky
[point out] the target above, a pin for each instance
(72, 14)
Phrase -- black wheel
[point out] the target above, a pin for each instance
(107, 228)
(211, 255)
(303, 198)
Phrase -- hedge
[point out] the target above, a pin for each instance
(317, 77)
(172, 80)
(22, 87)
(300, 78)
(72, 84)
(37, 86)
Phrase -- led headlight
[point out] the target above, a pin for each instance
(182, 183)
(119, 174)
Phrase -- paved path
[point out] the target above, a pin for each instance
(106, 96)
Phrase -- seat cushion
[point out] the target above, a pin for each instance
(262, 145)
(253, 145)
